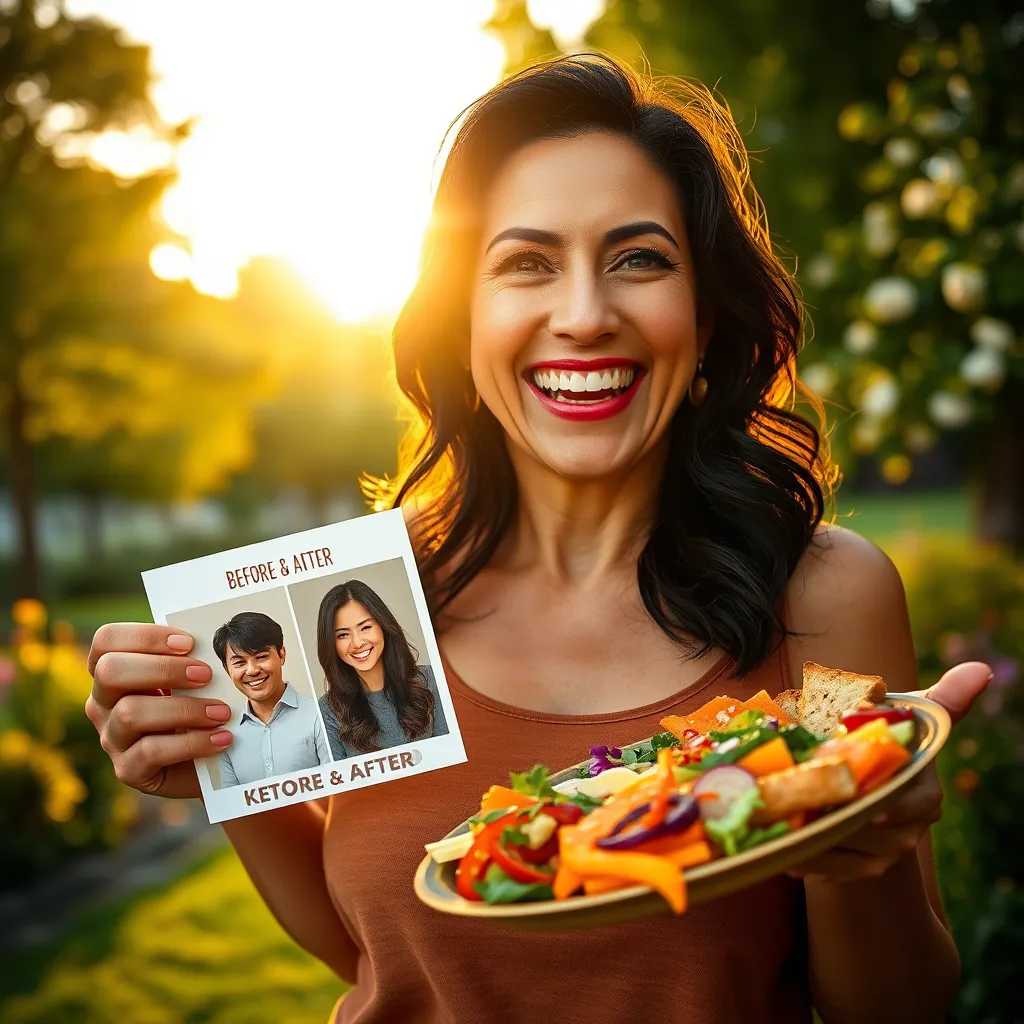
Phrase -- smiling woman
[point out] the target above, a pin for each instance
(615, 508)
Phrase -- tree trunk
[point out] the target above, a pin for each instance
(999, 490)
(23, 493)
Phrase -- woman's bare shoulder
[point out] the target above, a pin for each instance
(847, 605)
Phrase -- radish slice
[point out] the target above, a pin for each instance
(716, 789)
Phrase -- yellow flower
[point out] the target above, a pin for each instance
(30, 613)
(34, 656)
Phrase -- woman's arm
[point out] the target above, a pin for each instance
(282, 851)
(879, 947)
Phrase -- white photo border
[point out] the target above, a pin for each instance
(378, 537)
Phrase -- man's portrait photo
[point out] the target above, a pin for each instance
(278, 730)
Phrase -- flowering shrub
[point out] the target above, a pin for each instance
(968, 604)
(59, 791)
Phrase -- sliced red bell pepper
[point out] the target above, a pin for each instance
(474, 863)
(857, 717)
(507, 858)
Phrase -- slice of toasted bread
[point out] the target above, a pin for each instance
(828, 692)
(789, 701)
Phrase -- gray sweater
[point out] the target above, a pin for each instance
(390, 734)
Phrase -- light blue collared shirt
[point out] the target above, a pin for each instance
(291, 741)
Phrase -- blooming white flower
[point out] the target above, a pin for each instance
(822, 270)
(949, 410)
(901, 152)
(963, 285)
(945, 167)
(988, 332)
(920, 198)
(860, 337)
(879, 229)
(880, 397)
(890, 300)
(983, 367)
(820, 378)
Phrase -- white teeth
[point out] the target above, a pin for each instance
(606, 381)
(563, 381)
(627, 377)
(593, 381)
(577, 382)
(615, 378)
(555, 381)
(559, 397)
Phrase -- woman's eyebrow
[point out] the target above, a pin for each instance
(619, 234)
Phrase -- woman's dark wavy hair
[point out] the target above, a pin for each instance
(744, 485)
(403, 682)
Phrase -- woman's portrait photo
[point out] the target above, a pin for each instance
(376, 695)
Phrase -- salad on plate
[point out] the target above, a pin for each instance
(724, 780)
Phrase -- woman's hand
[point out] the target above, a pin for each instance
(152, 737)
(899, 830)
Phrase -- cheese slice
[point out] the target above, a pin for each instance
(454, 848)
(609, 782)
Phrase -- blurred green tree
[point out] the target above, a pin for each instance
(93, 348)
(524, 42)
(926, 285)
(785, 68)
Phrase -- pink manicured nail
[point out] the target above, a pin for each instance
(198, 673)
(179, 642)
(218, 712)
(220, 738)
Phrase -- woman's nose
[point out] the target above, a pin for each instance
(582, 311)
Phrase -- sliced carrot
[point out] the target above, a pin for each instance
(773, 756)
(666, 783)
(712, 715)
(762, 702)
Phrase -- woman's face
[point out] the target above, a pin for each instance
(585, 333)
(358, 638)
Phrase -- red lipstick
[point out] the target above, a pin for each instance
(576, 405)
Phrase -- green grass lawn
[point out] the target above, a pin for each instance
(202, 950)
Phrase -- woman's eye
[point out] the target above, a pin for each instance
(523, 263)
(644, 259)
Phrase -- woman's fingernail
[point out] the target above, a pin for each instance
(179, 642)
(198, 673)
(218, 712)
(220, 738)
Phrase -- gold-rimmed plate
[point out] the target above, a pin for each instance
(435, 883)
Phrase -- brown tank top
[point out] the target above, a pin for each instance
(738, 959)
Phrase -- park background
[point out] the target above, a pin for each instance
(209, 215)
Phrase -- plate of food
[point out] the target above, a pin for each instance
(724, 798)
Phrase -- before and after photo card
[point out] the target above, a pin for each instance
(321, 645)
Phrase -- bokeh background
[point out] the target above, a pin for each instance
(209, 215)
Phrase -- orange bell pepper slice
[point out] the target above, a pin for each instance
(499, 797)
(773, 756)
(685, 857)
(875, 762)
